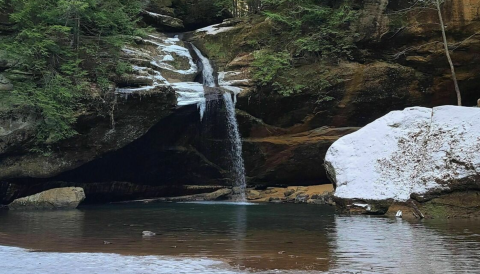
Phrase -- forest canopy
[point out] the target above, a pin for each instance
(61, 50)
(56, 48)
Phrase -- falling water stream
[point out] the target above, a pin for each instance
(207, 73)
(237, 166)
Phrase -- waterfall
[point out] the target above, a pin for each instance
(207, 73)
(238, 168)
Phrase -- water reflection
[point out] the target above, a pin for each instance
(42, 228)
(259, 237)
(250, 238)
(382, 245)
(241, 231)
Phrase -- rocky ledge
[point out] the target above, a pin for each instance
(424, 161)
(317, 194)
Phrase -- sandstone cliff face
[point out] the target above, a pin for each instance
(375, 81)
(157, 148)
(133, 118)
(142, 148)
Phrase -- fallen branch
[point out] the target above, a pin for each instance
(419, 213)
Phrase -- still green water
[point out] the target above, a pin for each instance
(223, 238)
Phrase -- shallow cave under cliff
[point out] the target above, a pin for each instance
(174, 153)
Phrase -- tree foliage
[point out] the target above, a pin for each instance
(301, 29)
(55, 47)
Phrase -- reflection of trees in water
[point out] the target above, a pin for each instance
(363, 243)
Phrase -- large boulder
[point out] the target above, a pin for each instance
(58, 198)
(418, 153)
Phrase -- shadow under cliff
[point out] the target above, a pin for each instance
(163, 162)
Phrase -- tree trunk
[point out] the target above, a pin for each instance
(76, 33)
(447, 53)
(235, 8)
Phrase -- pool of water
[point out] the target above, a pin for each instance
(226, 238)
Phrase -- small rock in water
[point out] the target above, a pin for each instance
(281, 252)
(107, 243)
(399, 214)
(148, 233)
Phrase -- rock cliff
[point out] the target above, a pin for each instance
(159, 146)
(393, 67)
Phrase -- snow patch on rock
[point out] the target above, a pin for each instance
(214, 29)
(411, 151)
(224, 75)
(168, 51)
(191, 93)
(156, 14)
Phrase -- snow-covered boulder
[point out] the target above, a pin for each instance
(415, 151)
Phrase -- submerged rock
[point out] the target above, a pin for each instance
(58, 198)
(417, 152)
(148, 233)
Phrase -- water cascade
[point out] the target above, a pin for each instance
(237, 165)
(208, 78)
(238, 168)
(171, 51)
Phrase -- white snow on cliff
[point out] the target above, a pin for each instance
(169, 51)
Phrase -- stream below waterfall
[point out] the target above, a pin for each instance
(223, 238)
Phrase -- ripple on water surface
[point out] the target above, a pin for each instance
(221, 238)
(220, 203)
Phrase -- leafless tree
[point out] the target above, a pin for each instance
(245, 7)
(447, 51)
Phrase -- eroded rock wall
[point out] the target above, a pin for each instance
(285, 138)
(398, 63)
